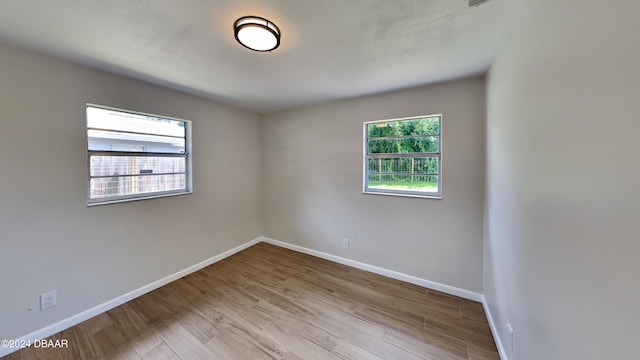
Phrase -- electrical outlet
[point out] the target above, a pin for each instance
(48, 299)
(510, 337)
(345, 243)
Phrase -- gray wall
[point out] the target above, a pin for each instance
(562, 254)
(50, 239)
(312, 171)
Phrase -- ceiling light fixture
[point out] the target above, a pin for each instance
(256, 33)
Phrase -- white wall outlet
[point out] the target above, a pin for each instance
(48, 299)
(345, 243)
(510, 337)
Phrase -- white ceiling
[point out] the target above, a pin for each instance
(331, 49)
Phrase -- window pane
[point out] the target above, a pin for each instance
(415, 183)
(102, 188)
(103, 140)
(124, 121)
(420, 126)
(403, 156)
(426, 144)
(416, 166)
(131, 165)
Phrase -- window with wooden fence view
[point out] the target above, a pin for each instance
(402, 157)
(135, 156)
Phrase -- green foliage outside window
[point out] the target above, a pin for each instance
(417, 170)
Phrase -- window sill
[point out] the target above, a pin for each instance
(152, 196)
(404, 194)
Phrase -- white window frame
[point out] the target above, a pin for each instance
(149, 195)
(394, 192)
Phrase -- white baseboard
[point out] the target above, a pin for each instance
(494, 330)
(99, 309)
(452, 290)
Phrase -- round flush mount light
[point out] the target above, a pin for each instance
(256, 33)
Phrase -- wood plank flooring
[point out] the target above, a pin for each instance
(271, 303)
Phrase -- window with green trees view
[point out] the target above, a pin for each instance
(402, 157)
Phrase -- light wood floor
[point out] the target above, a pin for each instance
(271, 303)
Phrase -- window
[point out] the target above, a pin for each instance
(133, 156)
(402, 157)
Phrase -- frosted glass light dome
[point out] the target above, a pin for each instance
(256, 33)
